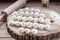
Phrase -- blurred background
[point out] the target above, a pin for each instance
(29, 0)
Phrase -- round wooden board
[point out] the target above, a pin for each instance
(44, 35)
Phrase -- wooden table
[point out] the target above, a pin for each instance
(3, 31)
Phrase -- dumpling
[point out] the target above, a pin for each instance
(24, 19)
(17, 23)
(27, 30)
(12, 23)
(47, 27)
(13, 18)
(20, 10)
(41, 15)
(19, 18)
(31, 14)
(21, 13)
(30, 19)
(36, 14)
(21, 30)
(47, 21)
(37, 10)
(15, 13)
(36, 20)
(26, 9)
(23, 24)
(32, 9)
(41, 20)
(29, 24)
(41, 26)
(26, 13)
(34, 31)
(35, 25)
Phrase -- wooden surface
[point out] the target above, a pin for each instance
(3, 31)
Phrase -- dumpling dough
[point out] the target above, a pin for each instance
(21, 13)
(15, 13)
(41, 26)
(36, 20)
(17, 23)
(23, 24)
(36, 14)
(13, 18)
(24, 19)
(41, 15)
(29, 24)
(30, 19)
(11, 23)
(21, 30)
(31, 14)
(47, 27)
(47, 21)
(32, 10)
(20, 10)
(34, 31)
(26, 9)
(27, 30)
(37, 10)
(19, 18)
(41, 20)
(26, 13)
(35, 25)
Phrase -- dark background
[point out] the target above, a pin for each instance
(29, 0)
(50, 0)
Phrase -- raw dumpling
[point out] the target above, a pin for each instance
(41, 20)
(36, 14)
(11, 23)
(29, 24)
(15, 13)
(24, 19)
(34, 31)
(47, 27)
(47, 21)
(36, 20)
(21, 13)
(27, 30)
(26, 13)
(37, 10)
(17, 23)
(21, 30)
(19, 18)
(20, 10)
(26, 9)
(41, 26)
(31, 14)
(41, 15)
(32, 9)
(13, 18)
(35, 25)
(23, 24)
(30, 19)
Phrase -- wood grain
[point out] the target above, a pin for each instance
(3, 31)
(7, 39)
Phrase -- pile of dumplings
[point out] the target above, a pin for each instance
(30, 20)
